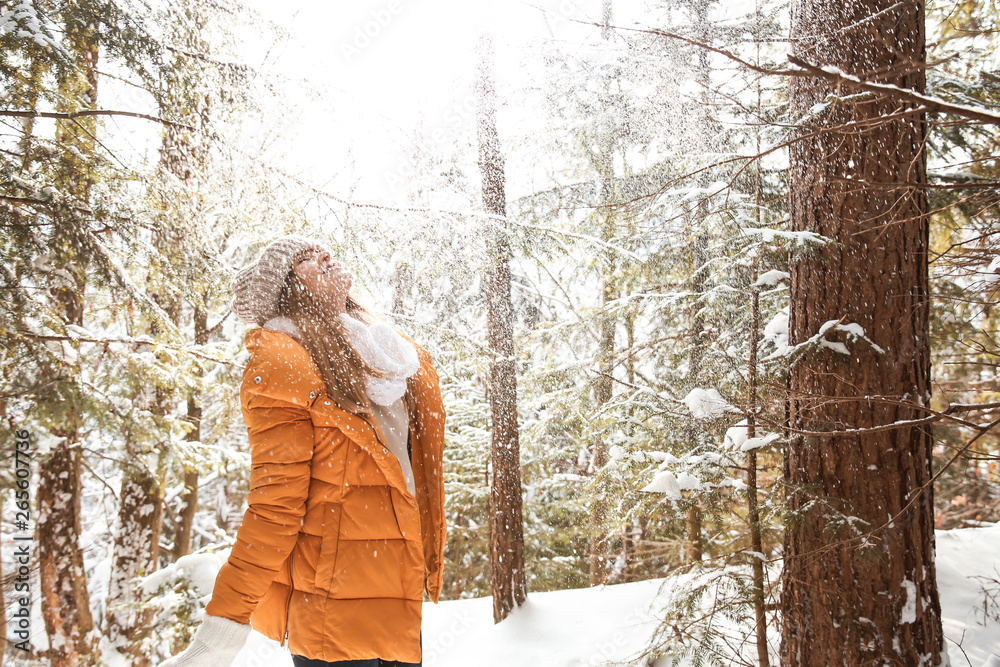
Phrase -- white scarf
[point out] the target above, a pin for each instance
(382, 348)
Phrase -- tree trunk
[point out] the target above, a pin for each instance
(140, 515)
(695, 545)
(186, 157)
(3, 602)
(189, 499)
(402, 277)
(62, 577)
(598, 559)
(699, 279)
(507, 580)
(65, 601)
(136, 551)
(850, 599)
(753, 508)
(603, 390)
(695, 542)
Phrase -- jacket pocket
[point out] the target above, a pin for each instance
(328, 549)
(407, 515)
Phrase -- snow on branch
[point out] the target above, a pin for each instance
(707, 404)
(930, 103)
(771, 278)
(801, 239)
(981, 114)
(25, 22)
(737, 438)
(853, 331)
(115, 269)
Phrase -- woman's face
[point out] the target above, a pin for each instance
(325, 278)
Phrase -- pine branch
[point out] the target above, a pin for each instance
(124, 341)
(833, 74)
(13, 113)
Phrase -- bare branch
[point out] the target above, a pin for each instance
(931, 103)
(808, 69)
(13, 113)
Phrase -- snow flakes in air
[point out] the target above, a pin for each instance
(707, 404)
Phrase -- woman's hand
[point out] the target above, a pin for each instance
(215, 644)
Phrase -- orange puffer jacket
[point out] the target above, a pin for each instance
(334, 553)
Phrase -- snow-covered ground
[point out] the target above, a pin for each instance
(968, 559)
(596, 626)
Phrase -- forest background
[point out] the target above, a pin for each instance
(148, 152)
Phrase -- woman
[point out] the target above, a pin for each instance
(345, 527)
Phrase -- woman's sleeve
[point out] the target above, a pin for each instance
(281, 444)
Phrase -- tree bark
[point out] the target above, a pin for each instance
(753, 508)
(186, 157)
(65, 600)
(695, 551)
(62, 577)
(699, 279)
(507, 580)
(189, 499)
(598, 556)
(859, 581)
(3, 602)
(140, 515)
(136, 551)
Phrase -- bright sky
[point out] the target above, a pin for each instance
(386, 63)
(369, 70)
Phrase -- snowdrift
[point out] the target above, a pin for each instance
(609, 624)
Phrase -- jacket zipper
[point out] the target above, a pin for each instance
(385, 447)
(375, 431)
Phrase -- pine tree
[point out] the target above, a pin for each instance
(73, 258)
(66, 607)
(859, 584)
(506, 522)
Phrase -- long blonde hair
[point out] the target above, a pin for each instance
(343, 370)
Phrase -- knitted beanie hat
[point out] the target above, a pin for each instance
(257, 286)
